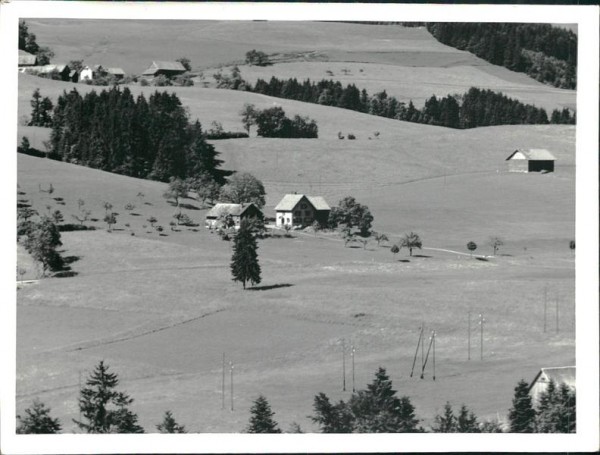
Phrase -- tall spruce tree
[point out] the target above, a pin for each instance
(244, 262)
(447, 422)
(37, 420)
(261, 419)
(105, 410)
(522, 415)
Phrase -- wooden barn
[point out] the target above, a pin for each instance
(216, 217)
(26, 59)
(557, 374)
(63, 72)
(301, 210)
(168, 69)
(117, 73)
(531, 160)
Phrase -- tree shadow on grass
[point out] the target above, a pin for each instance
(65, 274)
(482, 259)
(189, 207)
(134, 214)
(71, 259)
(403, 260)
(420, 256)
(270, 286)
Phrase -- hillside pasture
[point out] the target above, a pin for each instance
(418, 82)
(161, 309)
(125, 43)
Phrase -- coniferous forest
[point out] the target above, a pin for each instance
(475, 108)
(542, 51)
(146, 138)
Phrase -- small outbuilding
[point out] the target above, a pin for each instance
(531, 160)
(26, 59)
(301, 210)
(560, 375)
(168, 69)
(220, 213)
(117, 73)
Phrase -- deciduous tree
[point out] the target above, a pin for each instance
(411, 241)
(243, 188)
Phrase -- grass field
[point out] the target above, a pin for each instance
(161, 309)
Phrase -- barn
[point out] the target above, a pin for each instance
(557, 374)
(531, 160)
(26, 59)
(117, 73)
(217, 216)
(301, 210)
(168, 69)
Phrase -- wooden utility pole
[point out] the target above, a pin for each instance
(352, 352)
(343, 365)
(469, 337)
(556, 313)
(223, 385)
(481, 321)
(545, 306)
(434, 355)
(231, 373)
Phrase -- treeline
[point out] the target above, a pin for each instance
(542, 51)
(376, 409)
(475, 108)
(146, 138)
(28, 43)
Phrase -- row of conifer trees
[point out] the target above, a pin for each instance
(477, 107)
(376, 409)
(146, 138)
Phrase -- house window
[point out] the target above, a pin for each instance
(297, 213)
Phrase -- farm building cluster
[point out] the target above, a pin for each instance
(28, 63)
(293, 211)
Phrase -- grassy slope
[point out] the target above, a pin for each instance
(132, 291)
(408, 62)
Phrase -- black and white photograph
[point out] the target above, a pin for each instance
(296, 221)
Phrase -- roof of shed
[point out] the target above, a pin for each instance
(290, 201)
(534, 154)
(222, 209)
(115, 71)
(162, 65)
(25, 58)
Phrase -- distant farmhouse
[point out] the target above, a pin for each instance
(301, 210)
(531, 160)
(26, 59)
(559, 375)
(168, 69)
(91, 73)
(64, 72)
(237, 212)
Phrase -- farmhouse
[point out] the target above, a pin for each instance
(557, 374)
(168, 69)
(117, 73)
(26, 59)
(531, 160)
(63, 72)
(301, 210)
(236, 212)
(89, 73)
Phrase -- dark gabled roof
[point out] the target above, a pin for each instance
(290, 201)
(221, 209)
(25, 58)
(534, 154)
(165, 66)
(557, 374)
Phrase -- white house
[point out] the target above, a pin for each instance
(301, 210)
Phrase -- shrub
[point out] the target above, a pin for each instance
(351, 136)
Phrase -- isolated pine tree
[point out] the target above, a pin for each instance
(522, 415)
(37, 420)
(244, 262)
(261, 420)
(104, 409)
(169, 425)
